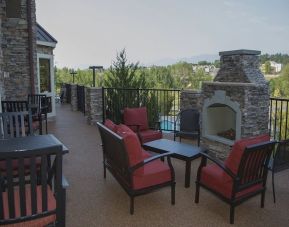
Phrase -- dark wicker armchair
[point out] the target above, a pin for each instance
(242, 175)
(27, 201)
(279, 161)
(137, 171)
(187, 125)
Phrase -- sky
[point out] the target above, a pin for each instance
(92, 32)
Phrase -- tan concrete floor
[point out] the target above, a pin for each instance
(95, 201)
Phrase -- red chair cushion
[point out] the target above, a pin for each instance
(136, 116)
(150, 135)
(234, 158)
(37, 222)
(110, 124)
(132, 144)
(145, 154)
(153, 173)
(216, 179)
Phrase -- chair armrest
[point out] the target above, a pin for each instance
(148, 160)
(219, 163)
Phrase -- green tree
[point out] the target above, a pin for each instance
(267, 67)
(123, 74)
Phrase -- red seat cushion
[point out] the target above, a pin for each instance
(51, 205)
(150, 135)
(215, 178)
(153, 173)
(234, 158)
(136, 116)
(132, 144)
(110, 124)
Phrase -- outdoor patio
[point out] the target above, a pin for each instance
(95, 201)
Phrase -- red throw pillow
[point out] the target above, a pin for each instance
(234, 158)
(132, 144)
(136, 116)
(109, 124)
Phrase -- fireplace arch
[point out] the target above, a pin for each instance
(221, 118)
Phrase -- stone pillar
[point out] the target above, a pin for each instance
(73, 97)
(93, 103)
(191, 99)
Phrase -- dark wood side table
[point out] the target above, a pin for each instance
(182, 151)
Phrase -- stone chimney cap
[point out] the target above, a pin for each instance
(240, 52)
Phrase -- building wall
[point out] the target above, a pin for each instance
(15, 51)
(44, 50)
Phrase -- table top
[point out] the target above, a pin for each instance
(182, 150)
(31, 143)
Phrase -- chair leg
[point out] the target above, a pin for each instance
(262, 199)
(104, 171)
(131, 205)
(197, 194)
(173, 193)
(273, 187)
(232, 214)
(46, 124)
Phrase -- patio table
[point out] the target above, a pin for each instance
(31, 143)
(182, 151)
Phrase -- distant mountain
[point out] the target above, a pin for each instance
(193, 59)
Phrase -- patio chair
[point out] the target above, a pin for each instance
(279, 161)
(25, 202)
(19, 106)
(137, 120)
(15, 124)
(39, 105)
(187, 125)
(242, 175)
(137, 171)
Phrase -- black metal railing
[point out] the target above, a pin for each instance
(162, 105)
(81, 98)
(68, 93)
(279, 119)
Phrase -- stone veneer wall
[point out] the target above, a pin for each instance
(73, 100)
(15, 51)
(93, 105)
(191, 99)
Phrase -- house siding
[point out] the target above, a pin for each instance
(15, 53)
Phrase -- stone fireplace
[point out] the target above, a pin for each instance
(236, 104)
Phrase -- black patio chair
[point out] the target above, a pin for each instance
(15, 124)
(27, 201)
(187, 125)
(279, 161)
(14, 106)
(40, 107)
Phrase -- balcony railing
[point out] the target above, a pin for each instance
(278, 123)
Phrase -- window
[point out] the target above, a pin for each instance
(44, 73)
(13, 8)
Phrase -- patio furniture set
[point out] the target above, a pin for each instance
(33, 189)
(128, 155)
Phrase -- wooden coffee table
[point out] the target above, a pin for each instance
(182, 151)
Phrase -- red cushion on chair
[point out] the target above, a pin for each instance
(215, 178)
(110, 124)
(136, 116)
(33, 223)
(153, 173)
(132, 144)
(234, 158)
(150, 135)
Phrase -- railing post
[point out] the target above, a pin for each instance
(103, 104)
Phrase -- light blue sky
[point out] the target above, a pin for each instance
(92, 31)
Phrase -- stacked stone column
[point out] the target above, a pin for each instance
(73, 101)
(93, 104)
